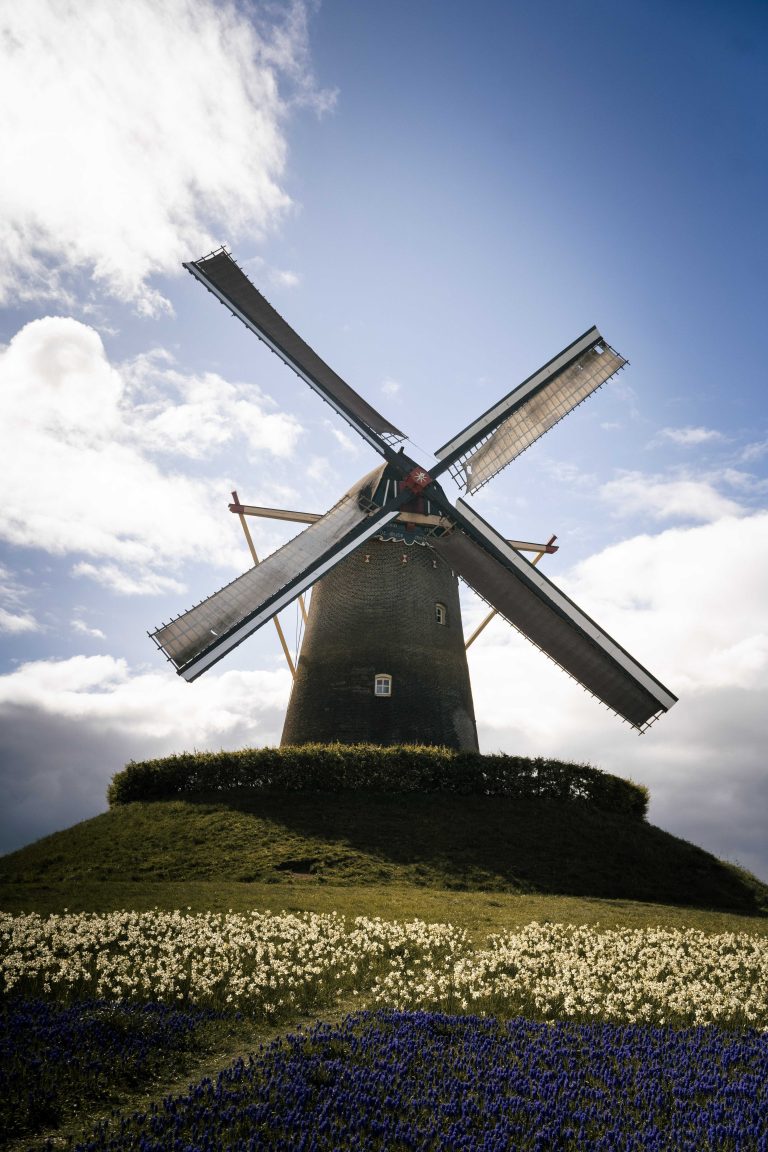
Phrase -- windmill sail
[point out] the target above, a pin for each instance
(538, 609)
(404, 491)
(201, 636)
(226, 279)
(478, 453)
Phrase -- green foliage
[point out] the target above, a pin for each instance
(369, 767)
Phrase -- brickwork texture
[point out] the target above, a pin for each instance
(375, 614)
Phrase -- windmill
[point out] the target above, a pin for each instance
(383, 657)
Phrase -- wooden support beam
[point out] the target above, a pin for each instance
(255, 558)
(273, 513)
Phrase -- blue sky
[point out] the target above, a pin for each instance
(439, 197)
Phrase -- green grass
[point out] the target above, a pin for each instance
(395, 855)
(481, 913)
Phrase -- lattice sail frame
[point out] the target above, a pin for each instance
(200, 637)
(502, 433)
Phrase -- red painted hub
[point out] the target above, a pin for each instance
(417, 480)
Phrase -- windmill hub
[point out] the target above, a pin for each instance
(417, 515)
(417, 480)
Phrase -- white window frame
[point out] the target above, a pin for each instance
(382, 684)
(441, 613)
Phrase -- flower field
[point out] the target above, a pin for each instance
(396, 1081)
(54, 1056)
(272, 966)
(553, 1036)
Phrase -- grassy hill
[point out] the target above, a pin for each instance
(483, 863)
(366, 840)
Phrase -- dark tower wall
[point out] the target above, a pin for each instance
(375, 614)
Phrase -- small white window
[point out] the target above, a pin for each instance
(441, 613)
(382, 685)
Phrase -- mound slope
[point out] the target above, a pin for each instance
(365, 837)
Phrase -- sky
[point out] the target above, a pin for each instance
(439, 197)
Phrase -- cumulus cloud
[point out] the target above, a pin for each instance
(91, 714)
(196, 415)
(93, 455)
(676, 593)
(149, 705)
(662, 498)
(689, 604)
(129, 129)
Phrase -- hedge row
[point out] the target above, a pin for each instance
(400, 768)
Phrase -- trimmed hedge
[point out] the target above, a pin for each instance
(399, 768)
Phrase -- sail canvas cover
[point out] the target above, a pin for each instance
(224, 277)
(201, 636)
(538, 609)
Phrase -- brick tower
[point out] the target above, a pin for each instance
(383, 658)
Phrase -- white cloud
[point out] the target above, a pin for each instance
(690, 605)
(566, 474)
(147, 705)
(390, 387)
(128, 129)
(196, 415)
(665, 499)
(679, 594)
(345, 442)
(91, 432)
(755, 451)
(320, 470)
(285, 278)
(745, 481)
(690, 436)
(84, 629)
(67, 726)
(140, 582)
(17, 622)
(14, 615)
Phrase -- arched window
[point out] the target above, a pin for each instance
(441, 613)
(382, 684)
